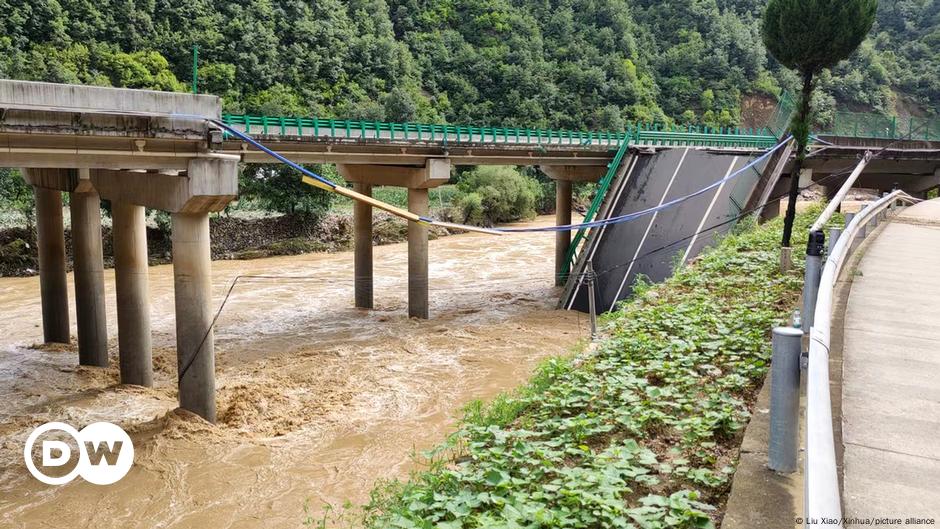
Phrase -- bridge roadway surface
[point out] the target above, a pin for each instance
(891, 398)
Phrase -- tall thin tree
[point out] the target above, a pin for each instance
(809, 36)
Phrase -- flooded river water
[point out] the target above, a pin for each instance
(316, 400)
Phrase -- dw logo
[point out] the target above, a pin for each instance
(105, 453)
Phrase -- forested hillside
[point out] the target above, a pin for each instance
(550, 63)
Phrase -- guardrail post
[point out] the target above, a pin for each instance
(785, 399)
(814, 251)
(834, 235)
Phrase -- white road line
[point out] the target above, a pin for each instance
(649, 227)
(708, 212)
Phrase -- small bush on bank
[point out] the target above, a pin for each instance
(490, 195)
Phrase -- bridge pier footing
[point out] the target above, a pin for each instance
(418, 256)
(52, 277)
(132, 289)
(88, 269)
(195, 351)
(362, 229)
(563, 197)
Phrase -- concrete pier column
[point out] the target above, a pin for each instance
(362, 226)
(192, 283)
(418, 256)
(132, 287)
(89, 279)
(52, 279)
(562, 238)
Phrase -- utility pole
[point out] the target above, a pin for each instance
(195, 68)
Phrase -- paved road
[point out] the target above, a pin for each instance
(891, 387)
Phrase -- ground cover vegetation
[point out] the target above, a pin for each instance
(641, 432)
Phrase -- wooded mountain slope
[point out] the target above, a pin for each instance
(547, 63)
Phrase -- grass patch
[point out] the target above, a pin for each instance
(641, 432)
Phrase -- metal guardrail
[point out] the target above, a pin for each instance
(643, 133)
(822, 502)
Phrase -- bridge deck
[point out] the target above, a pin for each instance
(891, 395)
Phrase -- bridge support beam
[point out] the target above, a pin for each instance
(89, 279)
(418, 256)
(132, 288)
(563, 197)
(195, 352)
(362, 233)
(52, 277)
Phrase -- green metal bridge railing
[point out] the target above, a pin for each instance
(643, 133)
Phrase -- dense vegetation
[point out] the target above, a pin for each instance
(642, 432)
(557, 63)
(490, 195)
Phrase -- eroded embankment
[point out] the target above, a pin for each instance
(643, 431)
(316, 400)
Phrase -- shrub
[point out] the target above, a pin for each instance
(494, 194)
(279, 188)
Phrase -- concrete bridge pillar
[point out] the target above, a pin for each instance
(132, 287)
(563, 197)
(418, 256)
(418, 180)
(192, 284)
(89, 279)
(362, 227)
(52, 276)
(564, 177)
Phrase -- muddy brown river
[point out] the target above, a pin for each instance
(316, 400)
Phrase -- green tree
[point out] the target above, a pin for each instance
(17, 195)
(809, 36)
(489, 195)
(276, 187)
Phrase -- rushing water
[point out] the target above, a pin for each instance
(317, 400)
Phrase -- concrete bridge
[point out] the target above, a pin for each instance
(141, 149)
